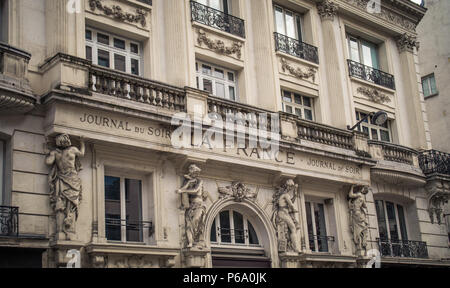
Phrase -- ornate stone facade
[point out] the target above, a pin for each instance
(327, 9)
(438, 196)
(117, 12)
(218, 46)
(238, 191)
(407, 42)
(374, 95)
(298, 72)
(359, 221)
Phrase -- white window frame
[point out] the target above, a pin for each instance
(371, 126)
(295, 105)
(215, 80)
(95, 46)
(298, 34)
(233, 240)
(315, 249)
(144, 201)
(360, 41)
(428, 79)
(397, 220)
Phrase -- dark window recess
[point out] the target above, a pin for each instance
(119, 62)
(118, 43)
(88, 35)
(134, 66)
(103, 58)
(102, 38)
(134, 48)
(89, 53)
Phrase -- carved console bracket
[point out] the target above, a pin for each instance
(298, 72)
(117, 12)
(218, 46)
(438, 196)
(374, 95)
(238, 191)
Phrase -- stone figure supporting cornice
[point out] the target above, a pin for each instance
(193, 196)
(438, 196)
(359, 221)
(65, 184)
(327, 9)
(284, 218)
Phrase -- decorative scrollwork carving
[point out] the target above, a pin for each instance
(298, 72)
(374, 95)
(218, 46)
(117, 12)
(239, 191)
(327, 9)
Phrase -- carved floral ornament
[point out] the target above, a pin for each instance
(117, 12)
(238, 191)
(218, 46)
(298, 72)
(407, 42)
(327, 9)
(374, 95)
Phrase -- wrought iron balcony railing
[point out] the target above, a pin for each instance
(396, 153)
(296, 48)
(238, 234)
(402, 248)
(9, 221)
(324, 243)
(217, 19)
(370, 74)
(433, 161)
(134, 229)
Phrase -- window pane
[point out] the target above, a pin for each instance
(253, 237)
(2, 163)
(231, 76)
(215, 4)
(112, 188)
(113, 227)
(133, 210)
(88, 34)
(290, 25)
(289, 109)
(374, 134)
(298, 112)
(381, 219)
(89, 53)
(321, 231)
(225, 235)
(220, 90)
(279, 19)
(308, 114)
(239, 235)
(310, 225)
(426, 87)
(102, 38)
(354, 50)
(207, 85)
(401, 218)
(103, 58)
(206, 69)
(307, 101)
(213, 236)
(287, 96)
(219, 73)
(385, 136)
(433, 85)
(299, 28)
(365, 130)
(393, 229)
(112, 208)
(367, 55)
(134, 48)
(298, 99)
(119, 62)
(135, 66)
(118, 43)
(232, 93)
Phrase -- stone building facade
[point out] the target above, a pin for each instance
(87, 135)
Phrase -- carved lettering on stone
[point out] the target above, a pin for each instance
(65, 184)
(359, 221)
(374, 95)
(218, 46)
(239, 191)
(298, 72)
(193, 196)
(284, 217)
(117, 12)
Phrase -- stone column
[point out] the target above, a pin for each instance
(416, 110)
(327, 10)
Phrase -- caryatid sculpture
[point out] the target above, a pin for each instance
(359, 223)
(284, 218)
(65, 184)
(193, 196)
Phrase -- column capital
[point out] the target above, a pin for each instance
(327, 9)
(407, 42)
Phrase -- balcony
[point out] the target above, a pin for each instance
(435, 162)
(370, 74)
(318, 243)
(15, 93)
(402, 248)
(296, 48)
(395, 153)
(217, 19)
(9, 221)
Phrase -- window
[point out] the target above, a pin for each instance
(294, 103)
(217, 81)
(221, 5)
(391, 221)
(2, 169)
(317, 230)
(123, 209)
(429, 85)
(4, 21)
(113, 52)
(231, 227)
(375, 132)
(363, 52)
(288, 23)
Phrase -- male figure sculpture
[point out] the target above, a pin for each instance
(65, 185)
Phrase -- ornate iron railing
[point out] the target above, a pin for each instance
(434, 161)
(396, 153)
(324, 243)
(296, 48)
(9, 221)
(402, 248)
(237, 234)
(217, 19)
(134, 88)
(370, 74)
(115, 226)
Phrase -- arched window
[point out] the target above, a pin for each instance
(231, 227)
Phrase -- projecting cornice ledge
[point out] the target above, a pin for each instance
(385, 175)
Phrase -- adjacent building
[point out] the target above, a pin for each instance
(90, 94)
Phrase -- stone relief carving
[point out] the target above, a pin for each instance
(129, 262)
(193, 196)
(239, 191)
(359, 221)
(218, 46)
(117, 12)
(327, 9)
(65, 184)
(374, 95)
(439, 194)
(407, 42)
(298, 72)
(385, 14)
(284, 218)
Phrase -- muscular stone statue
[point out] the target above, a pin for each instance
(359, 223)
(193, 197)
(65, 185)
(284, 217)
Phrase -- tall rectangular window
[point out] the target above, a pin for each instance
(4, 21)
(2, 169)
(363, 51)
(218, 81)
(374, 131)
(123, 209)
(288, 23)
(294, 103)
(429, 85)
(317, 230)
(391, 221)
